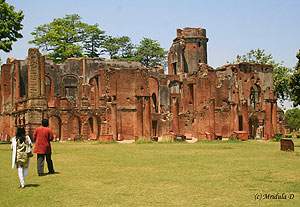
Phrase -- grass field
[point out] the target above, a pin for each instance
(206, 173)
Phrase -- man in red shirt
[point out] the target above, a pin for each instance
(42, 136)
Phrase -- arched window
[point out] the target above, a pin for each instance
(254, 96)
(154, 100)
(48, 85)
(70, 85)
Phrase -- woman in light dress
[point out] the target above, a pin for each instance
(21, 147)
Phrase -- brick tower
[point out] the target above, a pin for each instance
(189, 49)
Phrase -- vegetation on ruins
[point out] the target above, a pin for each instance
(293, 118)
(119, 47)
(68, 37)
(295, 83)
(149, 53)
(280, 72)
(10, 25)
(93, 40)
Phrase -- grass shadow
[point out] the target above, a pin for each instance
(5, 142)
(32, 185)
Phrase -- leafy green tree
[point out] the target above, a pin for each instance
(93, 40)
(10, 25)
(281, 74)
(126, 47)
(119, 47)
(150, 53)
(68, 37)
(111, 46)
(293, 118)
(295, 83)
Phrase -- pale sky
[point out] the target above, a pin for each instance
(233, 26)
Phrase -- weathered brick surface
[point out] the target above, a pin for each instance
(99, 99)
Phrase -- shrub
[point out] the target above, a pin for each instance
(298, 136)
(277, 137)
(288, 135)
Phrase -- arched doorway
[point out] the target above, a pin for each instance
(94, 128)
(74, 126)
(55, 126)
(253, 125)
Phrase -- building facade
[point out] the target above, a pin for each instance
(100, 99)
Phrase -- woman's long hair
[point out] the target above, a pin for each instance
(21, 134)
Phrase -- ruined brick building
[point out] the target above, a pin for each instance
(95, 98)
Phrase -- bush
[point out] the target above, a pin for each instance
(298, 136)
(288, 135)
(277, 137)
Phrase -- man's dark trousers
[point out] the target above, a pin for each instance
(40, 163)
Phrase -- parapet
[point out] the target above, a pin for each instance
(189, 32)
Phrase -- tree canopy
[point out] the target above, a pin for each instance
(93, 40)
(295, 83)
(293, 118)
(68, 37)
(10, 25)
(119, 47)
(281, 74)
(150, 53)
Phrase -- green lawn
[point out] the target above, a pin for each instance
(206, 173)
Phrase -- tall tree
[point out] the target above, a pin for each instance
(295, 83)
(281, 74)
(293, 118)
(10, 25)
(93, 41)
(119, 47)
(68, 37)
(150, 53)
(126, 47)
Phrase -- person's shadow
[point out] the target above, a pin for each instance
(32, 185)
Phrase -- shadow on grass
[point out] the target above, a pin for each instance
(32, 185)
(5, 142)
(46, 174)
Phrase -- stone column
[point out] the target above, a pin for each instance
(245, 117)
(64, 128)
(174, 109)
(37, 103)
(17, 81)
(268, 124)
(34, 73)
(232, 118)
(274, 118)
(147, 117)
(43, 76)
(114, 122)
(212, 118)
(139, 114)
(236, 118)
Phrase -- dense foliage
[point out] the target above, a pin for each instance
(10, 25)
(70, 37)
(295, 83)
(293, 118)
(149, 53)
(119, 47)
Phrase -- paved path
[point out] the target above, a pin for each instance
(126, 141)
